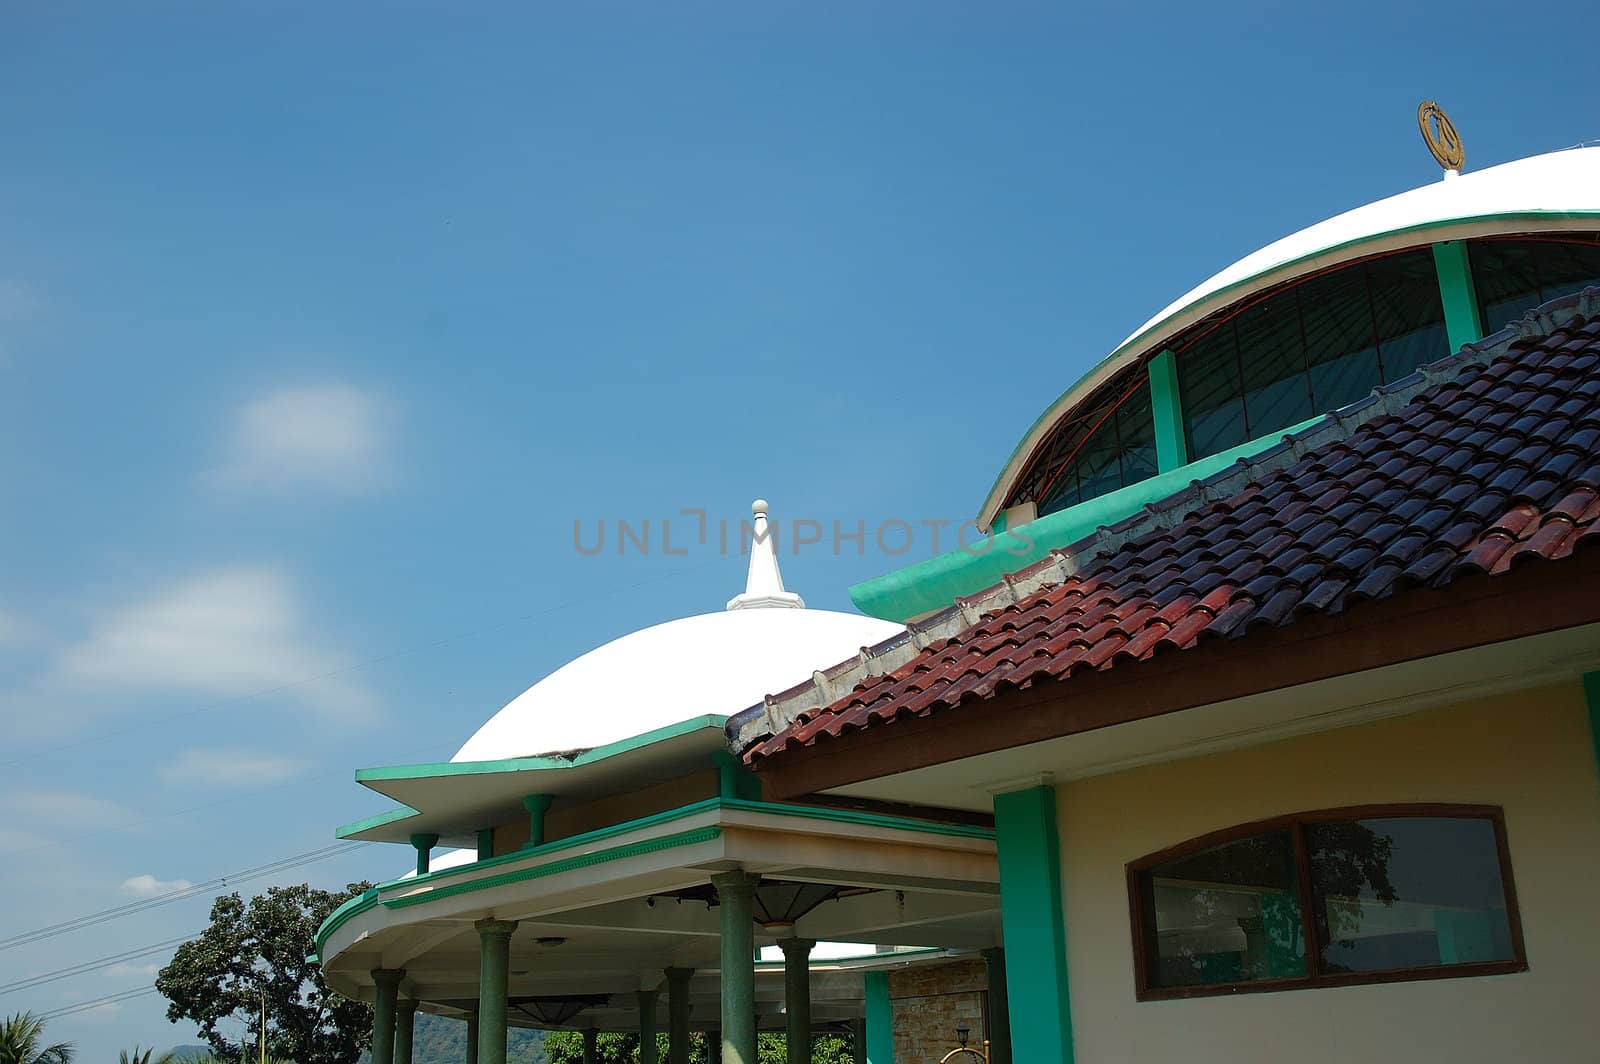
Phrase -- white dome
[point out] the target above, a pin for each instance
(1554, 192)
(712, 664)
(715, 663)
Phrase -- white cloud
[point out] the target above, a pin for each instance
(148, 886)
(230, 767)
(227, 633)
(133, 971)
(16, 632)
(332, 437)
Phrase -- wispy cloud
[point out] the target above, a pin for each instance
(148, 886)
(133, 971)
(60, 808)
(230, 767)
(331, 437)
(16, 631)
(227, 633)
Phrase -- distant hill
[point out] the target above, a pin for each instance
(435, 1040)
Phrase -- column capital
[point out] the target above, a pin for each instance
(799, 948)
(407, 1006)
(388, 976)
(424, 840)
(678, 974)
(493, 927)
(738, 883)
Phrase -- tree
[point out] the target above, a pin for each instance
(22, 1042)
(261, 950)
(566, 1047)
(136, 1055)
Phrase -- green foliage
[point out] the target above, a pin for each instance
(136, 1055)
(262, 948)
(441, 1040)
(566, 1047)
(22, 1042)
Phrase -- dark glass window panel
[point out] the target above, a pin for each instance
(1407, 892)
(1099, 464)
(1229, 914)
(1341, 345)
(1277, 393)
(1136, 427)
(1514, 276)
(1061, 493)
(1407, 311)
(1213, 395)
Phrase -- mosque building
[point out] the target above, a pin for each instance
(1267, 727)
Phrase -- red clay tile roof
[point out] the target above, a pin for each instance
(1483, 462)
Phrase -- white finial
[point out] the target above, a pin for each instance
(763, 587)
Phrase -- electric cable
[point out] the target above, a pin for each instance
(95, 965)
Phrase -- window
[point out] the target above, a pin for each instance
(1307, 348)
(1325, 899)
(1514, 276)
(1108, 447)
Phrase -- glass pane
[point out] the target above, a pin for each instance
(1408, 892)
(1099, 470)
(1514, 276)
(1208, 381)
(1228, 915)
(1276, 391)
(1137, 427)
(1341, 345)
(1408, 312)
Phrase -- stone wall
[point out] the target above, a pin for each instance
(931, 1002)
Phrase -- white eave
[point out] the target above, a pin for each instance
(1555, 192)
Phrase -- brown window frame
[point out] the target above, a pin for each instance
(1294, 824)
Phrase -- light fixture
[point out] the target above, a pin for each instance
(551, 940)
(962, 1035)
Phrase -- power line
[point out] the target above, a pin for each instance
(181, 893)
(93, 966)
(94, 1003)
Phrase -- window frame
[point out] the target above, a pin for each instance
(1294, 824)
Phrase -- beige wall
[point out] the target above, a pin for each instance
(1530, 752)
(565, 820)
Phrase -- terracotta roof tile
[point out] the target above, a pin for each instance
(1485, 462)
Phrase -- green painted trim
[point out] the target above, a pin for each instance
(586, 860)
(1034, 924)
(370, 899)
(1141, 341)
(356, 827)
(934, 584)
(1463, 322)
(441, 769)
(485, 843)
(1591, 693)
(880, 1018)
(1172, 447)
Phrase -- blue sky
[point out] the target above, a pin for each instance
(319, 329)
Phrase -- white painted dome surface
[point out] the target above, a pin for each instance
(1546, 193)
(714, 663)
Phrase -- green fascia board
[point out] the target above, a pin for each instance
(589, 838)
(1145, 338)
(439, 769)
(382, 820)
(934, 584)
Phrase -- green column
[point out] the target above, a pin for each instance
(713, 1046)
(591, 1038)
(797, 997)
(485, 843)
(386, 995)
(1591, 693)
(494, 972)
(734, 780)
(1172, 447)
(472, 1039)
(647, 1026)
(1463, 324)
(404, 1026)
(858, 1041)
(736, 892)
(537, 806)
(424, 845)
(994, 961)
(1034, 925)
(880, 1019)
(678, 1014)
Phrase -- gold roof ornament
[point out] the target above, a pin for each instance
(1439, 133)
